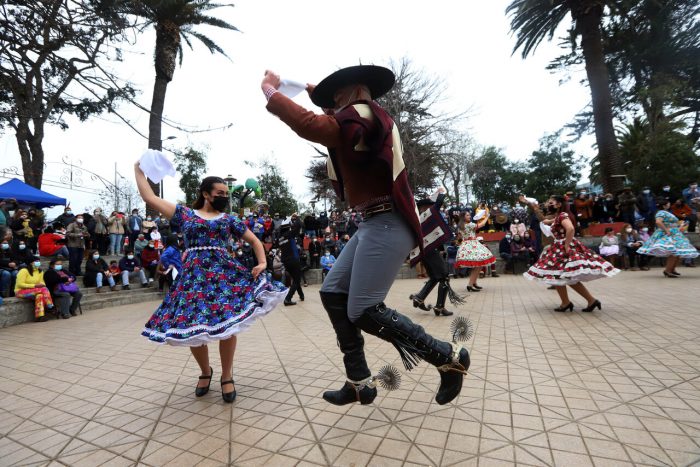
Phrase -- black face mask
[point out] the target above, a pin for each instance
(551, 209)
(220, 203)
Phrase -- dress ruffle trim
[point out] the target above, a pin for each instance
(474, 264)
(265, 301)
(559, 277)
(661, 251)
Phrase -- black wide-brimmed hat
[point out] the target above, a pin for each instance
(425, 202)
(377, 78)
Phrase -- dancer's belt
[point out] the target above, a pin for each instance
(200, 248)
(375, 206)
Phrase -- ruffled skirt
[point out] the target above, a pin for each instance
(676, 244)
(473, 254)
(556, 267)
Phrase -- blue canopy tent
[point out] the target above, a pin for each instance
(25, 194)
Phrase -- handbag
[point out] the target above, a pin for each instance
(68, 287)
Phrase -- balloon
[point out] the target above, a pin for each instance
(251, 184)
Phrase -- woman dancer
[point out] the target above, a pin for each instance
(472, 254)
(668, 240)
(567, 261)
(215, 297)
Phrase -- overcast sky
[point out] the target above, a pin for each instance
(514, 102)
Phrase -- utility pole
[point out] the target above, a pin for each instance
(116, 189)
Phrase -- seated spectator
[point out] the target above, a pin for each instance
(327, 262)
(644, 233)
(140, 244)
(64, 290)
(518, 249)
(154, 235)
(23, 255)
(30, 284)
(114, 269)
(150, 257)
(315, 252)
(529, 243)
(52, 244)
(131, 266)
(610, 246)
(171, 263)
(96, 271)
(504, 251)
(9, 266)
(631, 240)
(342, 242)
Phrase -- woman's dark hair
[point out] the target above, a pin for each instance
(608, 229)
(564, 204)
(49, 229)
(52, 262)
(206, 186)
(462, 221)
(30, 266)
(92, 253)
(661, 201)
(172, 241)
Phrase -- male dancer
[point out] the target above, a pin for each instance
(366, 167)
(290, 258)
(433, 225)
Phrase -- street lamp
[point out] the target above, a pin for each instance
(230, 180)
(313, 205)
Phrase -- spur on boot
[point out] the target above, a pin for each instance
(418, 303)
(228, 396)
(199, 392)
(569, 307)
(363, 392)
(592, 306)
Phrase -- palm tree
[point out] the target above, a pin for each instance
(535, 20)
(174, 21)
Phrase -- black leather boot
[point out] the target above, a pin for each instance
(414, 345)
(360, 386)
(439, 308)
(419, 298)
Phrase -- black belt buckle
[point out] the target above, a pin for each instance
(377, 209)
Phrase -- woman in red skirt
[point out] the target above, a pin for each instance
(568, 261)
(472, 253)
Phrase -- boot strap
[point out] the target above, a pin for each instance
(358, 386)
(454, 365)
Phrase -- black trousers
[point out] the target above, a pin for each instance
(75, 259)
(293, 267)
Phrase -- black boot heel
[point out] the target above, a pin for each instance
(350, 393)
(593, 306)
(199, 392)
(569, 307)
(228, 397)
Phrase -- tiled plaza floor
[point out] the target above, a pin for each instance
(616, 387)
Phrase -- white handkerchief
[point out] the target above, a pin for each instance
(546, 230)
(531, 200)
(479, 215)
(156, 165)
(291, 88)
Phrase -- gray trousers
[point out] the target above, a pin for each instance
(368, 265)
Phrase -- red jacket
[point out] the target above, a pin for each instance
(148, 255)
(50, 243)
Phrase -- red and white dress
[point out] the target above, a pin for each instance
(472, 253)
(556, 267)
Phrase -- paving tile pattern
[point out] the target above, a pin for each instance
(612, 388)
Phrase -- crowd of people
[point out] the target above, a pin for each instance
(99, 249)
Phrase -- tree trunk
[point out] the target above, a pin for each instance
(588, 19)
(31, 153)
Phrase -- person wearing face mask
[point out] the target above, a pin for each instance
(67, 218)
(150, 256)
(22, 254)
(327, 262)
(626, 206)
(215, 297)
(133, 226)
(287, 244)
(52, 244)
(568, 262)
(367, 170)
(691, 196)
(504, 251)
(315, 252)
(76, 234)
(21, 229)
(130, 266)
(631, 241)
(140, 244)
(610, 246)
(30, 285)
(64, 290)
(9, 265)
(684, 213)
(117, 227)
(170, 263)
(98, 227)
(646, 204)
(97, 271)
(147, 224)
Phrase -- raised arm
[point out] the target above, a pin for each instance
(165, 207)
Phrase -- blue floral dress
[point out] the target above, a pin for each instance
(662, 244)
(215, 297)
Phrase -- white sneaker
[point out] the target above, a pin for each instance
(150, 280)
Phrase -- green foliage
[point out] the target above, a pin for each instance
(494, 177)
(657, 157)
(191, 165)
(275, 189)
(552, 169)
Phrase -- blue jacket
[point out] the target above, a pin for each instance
(171, 257)
(327, 262)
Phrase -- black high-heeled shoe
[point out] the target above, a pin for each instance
(670, 276)
(675, 273)
(228, 396)
(592, 306)
(477, 287)
(199, 392)
(569, 307)
(473, 289)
